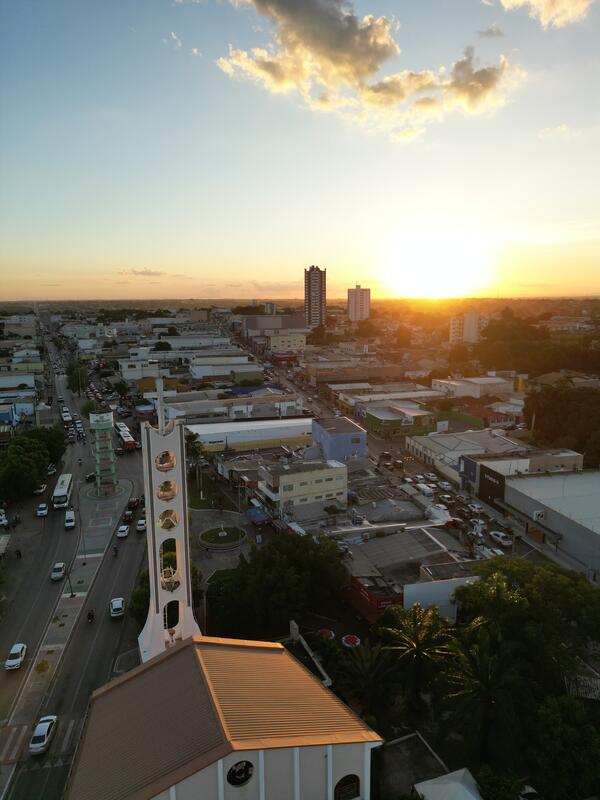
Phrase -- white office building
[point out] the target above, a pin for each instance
(466, 328)
(359, 303)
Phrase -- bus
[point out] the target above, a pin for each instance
(62, 491)
(125, 438)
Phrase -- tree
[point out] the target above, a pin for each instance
(77, 377)
(495, 785)
(195, 453)
(162, 346)
(53, 439)
(121, 388)
(419, 638)
(402, 336)
(89, 407)
(368, 674)
(317, 336)
(482, 684)
(566, 750)
(23, 467)
(283, 580)
(367, 329)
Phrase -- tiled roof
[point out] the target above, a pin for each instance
(189, 707)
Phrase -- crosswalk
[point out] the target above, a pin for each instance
(15, 738)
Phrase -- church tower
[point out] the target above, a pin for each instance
(170, 615)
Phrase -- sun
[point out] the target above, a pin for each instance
(437, 263)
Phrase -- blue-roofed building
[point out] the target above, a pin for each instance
(339, 438)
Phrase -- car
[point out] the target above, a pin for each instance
(441, 506)
(408, 480)
(69, 520)
(477, 522)
(398, 464)
(488, 552)
(447, 487)
(119, 451)
(59, 570)
(475, 508)
(91, 476)
(431, 476)
(432, 486)
(419, 478)
(3, 520)
(501, 538)
(462, 498)
(16, 657)
(122, 531)
(117, 607)
(128, 517)
(134, 502)
(42, 510)
(51, 470)
(41, 488)
(140, 525)
(446, 498)
(42, 734)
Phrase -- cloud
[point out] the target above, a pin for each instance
(174, 40)
(195, 52)
(322, 50)
(493, 32)
(145, 272)
(552, 12)
(559, 132)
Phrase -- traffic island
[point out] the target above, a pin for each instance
(222, 538)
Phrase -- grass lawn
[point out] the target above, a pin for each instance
(213, 536)
(213, 497)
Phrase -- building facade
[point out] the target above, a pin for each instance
(340, 438)
(466, 328)
(315, 296)
(284, 486)
(359, 304)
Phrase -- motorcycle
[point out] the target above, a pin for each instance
(90, 616)
(115, 550)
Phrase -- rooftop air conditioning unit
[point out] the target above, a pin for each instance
(538, 515)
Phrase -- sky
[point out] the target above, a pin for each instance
(215, 148)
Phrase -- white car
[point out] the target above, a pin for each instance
(42, 735)
(501, 538)
(140, 525)
(42, 510)
(51, 470)
(16, 657)
(117, 607)
(59, 570)
(475, 508)
(122, 531)
(488, 552)
(41, 488)
(419, 478)
(431, 476)
(447, 487)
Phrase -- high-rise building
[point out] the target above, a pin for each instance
(359, 303)
(315, 296)
(466, 328)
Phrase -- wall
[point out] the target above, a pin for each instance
(341, 446)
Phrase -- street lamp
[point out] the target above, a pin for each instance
(70, 584)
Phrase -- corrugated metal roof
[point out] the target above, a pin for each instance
(190, 706)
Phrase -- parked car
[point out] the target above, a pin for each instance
(51, 470)
(408, 480)
(488, 552)
(475, 508)
(140, 525)
(69, 520)
(59, 570)
(42, 510)
(128, 517)
(431, 476)
(117, 607)
(447, 487)
(446, 498)
(42, 734)
(419, 478)
(41, 488)
(133, 503)
(501, 538)
(122, 531)
(16, 657)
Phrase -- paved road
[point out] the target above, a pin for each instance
(88, 659)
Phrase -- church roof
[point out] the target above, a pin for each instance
(191, 706)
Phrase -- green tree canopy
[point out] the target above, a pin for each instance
(53, 439)
(162, 346)
(23, 468)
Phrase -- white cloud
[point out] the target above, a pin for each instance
(552, 12)
(559, 132)
(173, 40)
(332, 58)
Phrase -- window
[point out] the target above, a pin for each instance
(288, 487)
(328, 479)
(303, 483)
(347, 788)
(355, 439)
(318, 480)
(318, 497)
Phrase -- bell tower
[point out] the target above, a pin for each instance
(170, 615)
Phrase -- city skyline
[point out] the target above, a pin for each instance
(175, 147)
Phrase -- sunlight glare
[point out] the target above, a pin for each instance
(436, 264)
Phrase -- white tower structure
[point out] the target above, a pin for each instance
(170, 615)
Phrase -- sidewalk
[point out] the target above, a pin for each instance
(99, 517)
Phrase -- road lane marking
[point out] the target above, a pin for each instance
(67, 736)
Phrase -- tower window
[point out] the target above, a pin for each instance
(240, 773)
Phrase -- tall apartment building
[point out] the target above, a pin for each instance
(359, 304)
(315, 296)
(466, 327)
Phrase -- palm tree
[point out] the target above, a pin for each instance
(195, 452)
(419, 636)
(367, 673)
(482, 681)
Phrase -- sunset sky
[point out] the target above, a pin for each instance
(214, 148)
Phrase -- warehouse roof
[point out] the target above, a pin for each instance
(189, 707)
(575, 495)
(227, 428)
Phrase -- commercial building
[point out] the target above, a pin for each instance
(399, 419)
(444, 450)
(286, 340)
(264, 404)
(340, 439)
(222, 719)
(253, 435)
(284, 486)
(561, 510)
(466, 328)
(315, 296)
(474, 387)
(359, 304)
